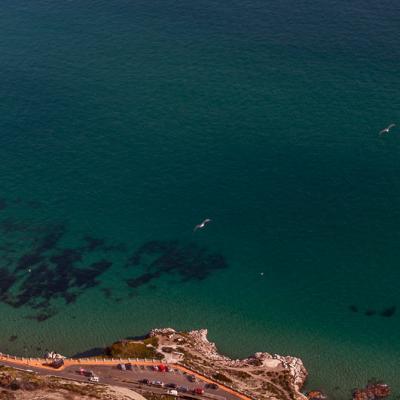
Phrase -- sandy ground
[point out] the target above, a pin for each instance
(125, 393)
(115, 392)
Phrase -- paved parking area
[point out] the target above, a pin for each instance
(111, 375)
(132, 378)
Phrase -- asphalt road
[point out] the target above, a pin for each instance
(111, 375)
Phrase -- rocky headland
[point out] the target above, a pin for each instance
(261, 376)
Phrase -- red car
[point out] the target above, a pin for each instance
(163, 368)
(198, 391)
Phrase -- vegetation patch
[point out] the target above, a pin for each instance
(167, 349)
(256, 362)
(133, 349)
(221, 377)
(239, 374)
(151, 340)
(270, 387)
(14, 381)
(5, 395)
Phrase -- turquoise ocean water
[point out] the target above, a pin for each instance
(123, 124)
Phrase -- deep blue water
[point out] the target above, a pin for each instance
(124, 124)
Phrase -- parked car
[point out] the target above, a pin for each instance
(198, 391)
(94, 379)
(192, 378)
(183, 389)
(162, 368)
(128, 366)
(173, 392)
(212, 386)
(155, 368)
(172, 385)
(121, 367)
(145, 381)
(57, 363)
(158, 383)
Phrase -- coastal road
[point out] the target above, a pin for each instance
(111, 375)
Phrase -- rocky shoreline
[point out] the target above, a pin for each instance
(261, 376)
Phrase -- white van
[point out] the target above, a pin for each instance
(173, 392)
(94, 379)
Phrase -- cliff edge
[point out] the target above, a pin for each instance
(260, 376)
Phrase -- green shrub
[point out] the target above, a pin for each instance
(131, 349)
(151, 340)
(240, 374)
(221, 377)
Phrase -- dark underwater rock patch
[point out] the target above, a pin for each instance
(46, 272)
(187, 261)
(388, 312)
(86, 278)
(107, 292)
(97, 244)
(29, 260)
(70, 297)
(41, 245)
(66, 259)
(13, 338)
(42, 316)
(7, 280)
(369, 312)
(50, 239)
(142, 279)
(59, 278)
